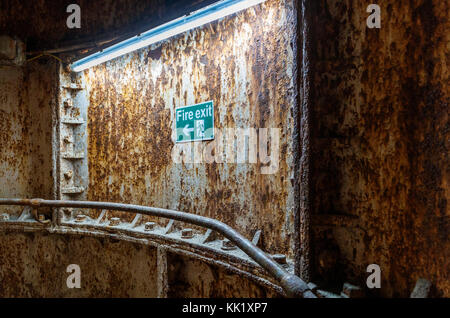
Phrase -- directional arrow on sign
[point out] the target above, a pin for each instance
(187, 131)
(194, 123)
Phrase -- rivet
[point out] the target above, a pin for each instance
(68, 103)
(114, 222)
(149, 226)
(68, 174)
(227, 245)
(4, 217)
(187, 233)
(280, 259)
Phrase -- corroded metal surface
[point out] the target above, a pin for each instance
(303, 161)
(380, 128)
(244, 64)
(194, 278)
(71, 149)
(292, 284)
(34, 265)
(120, 250)
(381, 143)
(26, 99)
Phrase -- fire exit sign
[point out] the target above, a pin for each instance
(195, 122)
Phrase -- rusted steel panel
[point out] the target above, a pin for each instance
(193, 278)
(243, 63)
(109, 268)
(381, 143)
(26, 98)
(293, 285)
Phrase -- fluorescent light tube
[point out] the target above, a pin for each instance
(195, 19)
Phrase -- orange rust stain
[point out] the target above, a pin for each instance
(26, 96)
(381, 155)
(242, 63)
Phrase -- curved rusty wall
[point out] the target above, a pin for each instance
(193, 278)
(381, 144)
(34, 264)
(245, 64)
(27, 96)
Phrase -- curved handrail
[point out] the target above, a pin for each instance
(293, 285)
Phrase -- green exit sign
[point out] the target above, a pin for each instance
(196, 122)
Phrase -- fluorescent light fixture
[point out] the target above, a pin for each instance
(195, 19)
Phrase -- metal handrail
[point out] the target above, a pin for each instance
(293, 285)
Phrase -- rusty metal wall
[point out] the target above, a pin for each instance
(245, 64)
(190, 278)
(381, 144)
(26, 98)
(34, 265)
(380, 127)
